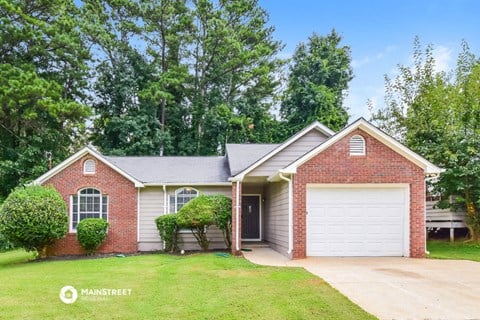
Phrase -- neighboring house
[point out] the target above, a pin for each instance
(354, 193)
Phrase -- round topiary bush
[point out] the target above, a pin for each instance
(33, 218)
(91, 233)
(197, 215)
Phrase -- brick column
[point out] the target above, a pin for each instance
(417, 218)
(299, 218)
(236, 206)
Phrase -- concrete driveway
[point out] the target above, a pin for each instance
(396, 288)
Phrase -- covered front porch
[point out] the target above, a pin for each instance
(263, 210)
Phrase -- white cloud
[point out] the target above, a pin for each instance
(443, 58)
(357, 99)
(360, 63)
(376, 57)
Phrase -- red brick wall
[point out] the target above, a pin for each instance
(234, 218)
(380, 165)
(122, 206)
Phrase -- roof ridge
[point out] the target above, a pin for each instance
(252, 144)
(162, 157)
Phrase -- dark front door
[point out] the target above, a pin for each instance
(250, 217)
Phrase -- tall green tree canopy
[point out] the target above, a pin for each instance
(171, 77)
(437, 114)
(234, 62)
(317, 84)
(181, 77)
(124, 123)
(42, 77)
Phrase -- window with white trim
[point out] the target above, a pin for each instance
(89, 166)
(357, 145)
(88, 203)
(181, 197)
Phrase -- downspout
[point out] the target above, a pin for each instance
(425, 219)
(237, 216)
(138, 216)
(290, 212)
(164, 206)
(164, 199)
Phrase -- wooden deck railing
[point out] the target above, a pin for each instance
(444, 218)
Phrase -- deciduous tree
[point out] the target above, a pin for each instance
(317, 84)
(438, 115)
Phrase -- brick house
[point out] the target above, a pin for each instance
(357, 192)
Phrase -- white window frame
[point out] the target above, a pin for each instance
(89, 164)
(177, 192)
(359, 142)
(79, 194)
(176, 202)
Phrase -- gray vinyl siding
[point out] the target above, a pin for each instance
(151, 206)
(188, 242)
(276, 216)
(291, 153)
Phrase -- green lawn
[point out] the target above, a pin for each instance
(201, 286)
(443, 249)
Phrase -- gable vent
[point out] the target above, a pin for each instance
(357, 146)
(89, 167)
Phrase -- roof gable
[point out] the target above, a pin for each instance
(364, 125)
(314, 126)
(78, 155)
(241, 156)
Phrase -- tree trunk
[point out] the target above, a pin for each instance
(42, 253)
(471, 218)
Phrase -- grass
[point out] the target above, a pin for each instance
(200, 286)
(460, 250)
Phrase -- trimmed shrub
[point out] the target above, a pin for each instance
(34, 217)
(197, 215)
(222, 215)
(5, 245)
(168, 230)
(91, 232)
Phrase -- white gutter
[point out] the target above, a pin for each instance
(236, 178)
(161, 184)
(237, 215)
(290, 211)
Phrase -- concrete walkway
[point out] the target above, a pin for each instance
(395, 288)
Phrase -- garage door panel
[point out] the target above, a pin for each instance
(356, 221)
(358, 196)
(354, 229)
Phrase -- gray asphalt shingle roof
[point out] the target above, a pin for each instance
(174, 169)
(241, 156)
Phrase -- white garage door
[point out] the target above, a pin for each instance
(367, 220)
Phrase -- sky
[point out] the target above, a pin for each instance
(380, 35)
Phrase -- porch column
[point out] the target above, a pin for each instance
(236, 217)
